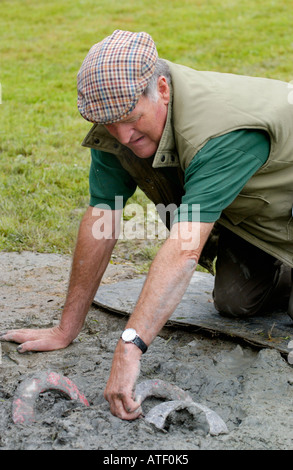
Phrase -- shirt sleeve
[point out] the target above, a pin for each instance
(108, 180)
(219, 171)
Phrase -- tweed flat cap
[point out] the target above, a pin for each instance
(114, 75)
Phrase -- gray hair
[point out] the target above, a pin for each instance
(151, 90)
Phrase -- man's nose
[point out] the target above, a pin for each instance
(122, 132)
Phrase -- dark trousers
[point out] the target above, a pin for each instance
(249, 281)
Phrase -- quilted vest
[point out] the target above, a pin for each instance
(206, 105)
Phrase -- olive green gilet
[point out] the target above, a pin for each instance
(206, 105)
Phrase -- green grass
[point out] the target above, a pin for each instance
(43, 168)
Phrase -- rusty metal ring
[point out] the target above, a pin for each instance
(23, 407)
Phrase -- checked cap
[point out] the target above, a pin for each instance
(114, 75)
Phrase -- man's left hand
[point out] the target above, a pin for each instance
(120, 389)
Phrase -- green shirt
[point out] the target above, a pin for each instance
(213, 179)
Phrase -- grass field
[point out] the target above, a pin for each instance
(43, 168)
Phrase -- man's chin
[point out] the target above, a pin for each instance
(144, 156)
(145, 153)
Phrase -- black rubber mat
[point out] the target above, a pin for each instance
(196, 309)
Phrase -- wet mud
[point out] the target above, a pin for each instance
(250, 389)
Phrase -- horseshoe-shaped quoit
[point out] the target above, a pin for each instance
(179, 400)
(23, 407)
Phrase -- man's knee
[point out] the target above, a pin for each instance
(231, 303)
(237, 299)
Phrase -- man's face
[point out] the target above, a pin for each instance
(142, 129)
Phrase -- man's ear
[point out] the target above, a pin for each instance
(163, 89)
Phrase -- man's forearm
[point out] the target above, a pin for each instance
(167, 280)
(165, 285)
(90, 260)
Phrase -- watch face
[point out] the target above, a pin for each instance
(129, 334)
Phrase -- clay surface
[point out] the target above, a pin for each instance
(250, 388)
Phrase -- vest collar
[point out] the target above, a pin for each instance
(166, 155)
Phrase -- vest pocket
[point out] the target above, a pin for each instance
(243, 207)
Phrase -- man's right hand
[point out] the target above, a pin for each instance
(47, 339)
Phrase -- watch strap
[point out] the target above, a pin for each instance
(140, 344)
(137, 341)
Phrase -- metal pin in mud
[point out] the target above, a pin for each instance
(23, 407)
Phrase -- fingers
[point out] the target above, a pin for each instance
(122, 402)
(124, 407)
(36, 340)
(37, 345)
(120, 388)
(17, 336)
(23, 335)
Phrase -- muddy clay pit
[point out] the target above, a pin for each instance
(250, 389)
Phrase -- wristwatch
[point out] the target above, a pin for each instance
(130, 336)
